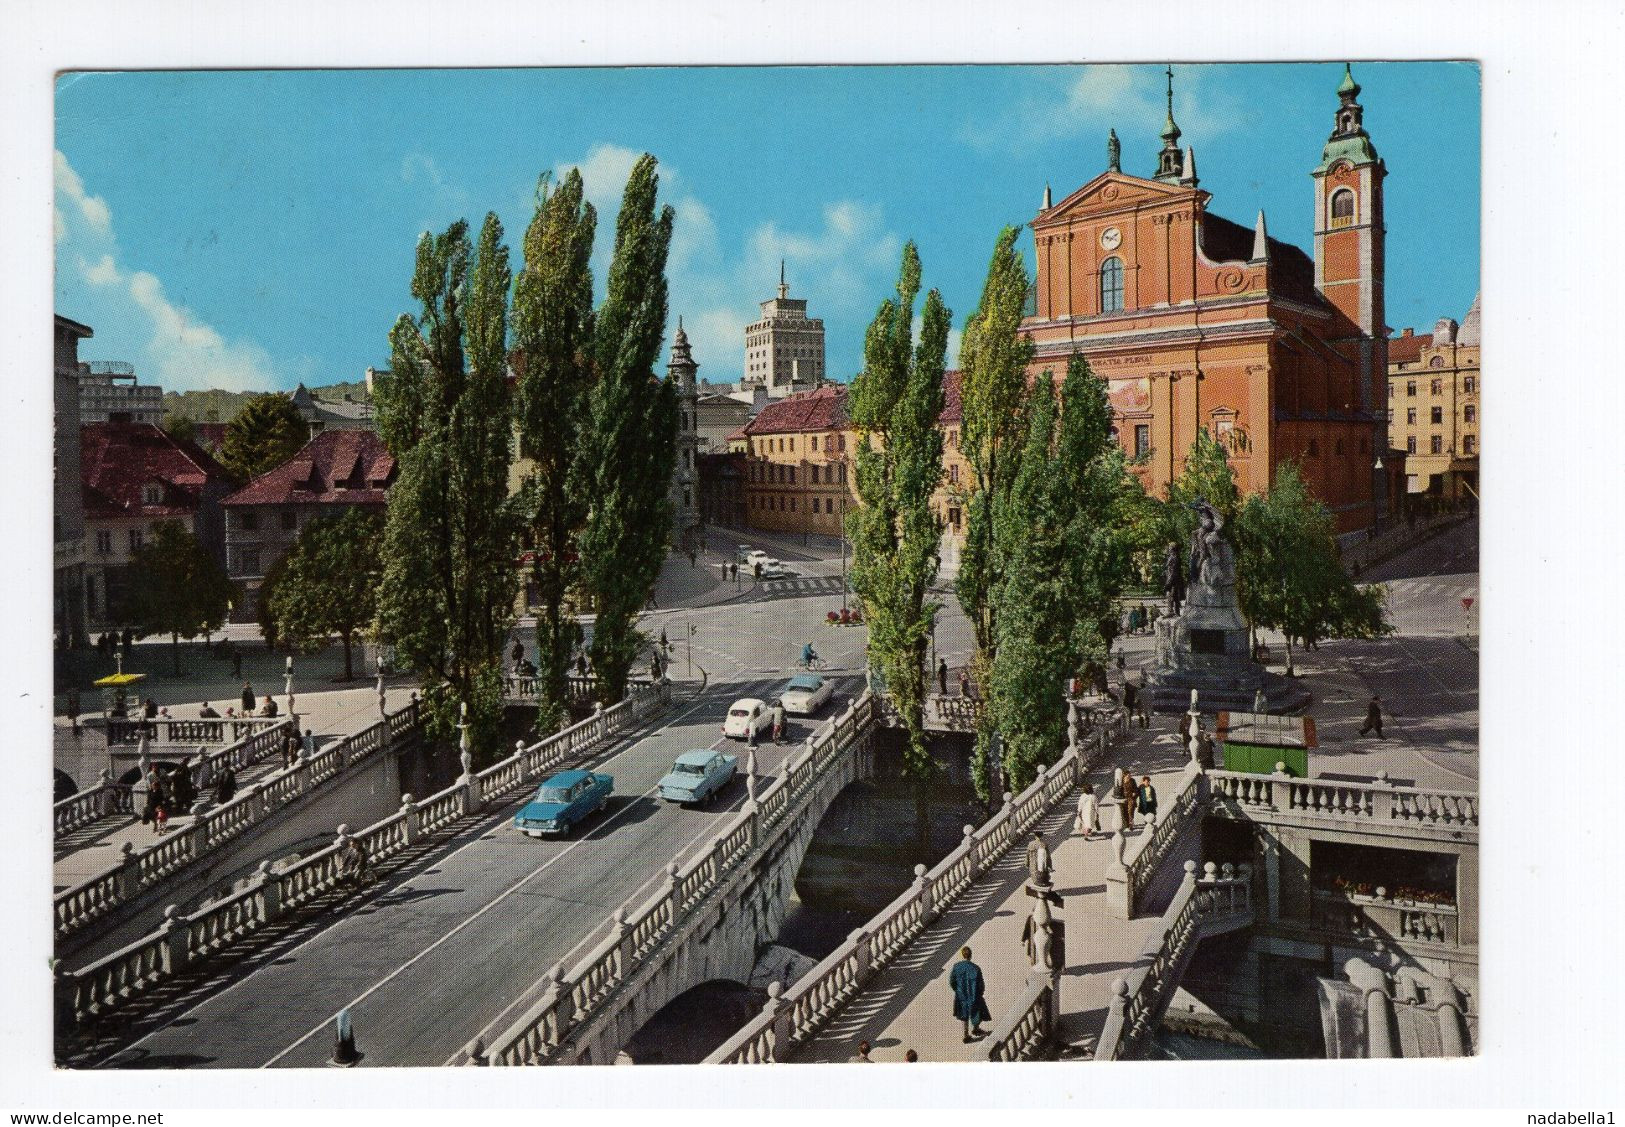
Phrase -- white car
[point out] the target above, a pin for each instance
(806, 693)
(773, 569)
(746, 716)
(757, 556)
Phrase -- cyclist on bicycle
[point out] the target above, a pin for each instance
(808, 655)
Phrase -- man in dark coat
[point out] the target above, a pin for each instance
(942, 676)
(248, 699)
(225, 785)
(1373, 716)
(970, 1006)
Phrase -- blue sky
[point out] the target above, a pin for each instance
(255, 229)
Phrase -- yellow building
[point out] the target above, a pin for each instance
(1433, 402)
(798, 469)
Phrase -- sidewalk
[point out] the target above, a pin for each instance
(97, 847)
(909, 1004)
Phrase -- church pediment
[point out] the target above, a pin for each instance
(1110, 191)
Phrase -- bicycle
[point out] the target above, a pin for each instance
(814, 665)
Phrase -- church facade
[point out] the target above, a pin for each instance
(1198, 322)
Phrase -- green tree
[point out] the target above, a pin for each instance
(177, 587)
(993, 394)
(267, 432)
(1207, 474)
(632, 434)
(1067, 559)
(329, 583)
(182, 428)
(895, 534)
(449, 581)
(1290, 576)
(553, 344)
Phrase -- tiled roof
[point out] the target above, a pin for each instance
(1407, 347)
(953, 411)
(338, 467)
(118, 459)
(824, 409)
(210, 436)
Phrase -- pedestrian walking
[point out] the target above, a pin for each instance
(664, 645)
(778, 721)
(248, 699)
(863, 1054)
(1146, 796)
(964, 684)
(73, 709)
(353, 863)
(269, 708)
(1373, 716)
(290, 749)
(182, 791)
(942, 676)
(1088, 813)
(1128, 796)
(225, 785)
(1131, 696)
(309, 745)
(970, 1002)
(154, 789)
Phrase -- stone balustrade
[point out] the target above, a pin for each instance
(522, 688)
(1128, 879)
(189, 733)
(793, 1016)
(104, 986)
(1220, 900)
(1024, 1030)
(1386, 919)
(1376, 803)
(103, 800)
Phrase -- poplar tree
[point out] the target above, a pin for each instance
(631, 442)
(897, 400)
(553, 344)
(993, 391)
(449, 581)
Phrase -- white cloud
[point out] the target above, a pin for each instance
(1071, 102)
(182, 351)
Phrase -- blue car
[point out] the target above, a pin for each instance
(698, 775)
(562, 801)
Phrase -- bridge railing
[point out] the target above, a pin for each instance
(1377, 802)
(129, 732)
(1220, 900)
(1131, 874)
(793, 1016)
(107, 984)
(574, 994)
(1024, 1030)
(103, 800)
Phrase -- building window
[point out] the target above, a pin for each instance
(953, 518)
(1314, 448)
(1410, 444)
(1469, 443)
(1410, 388)
(792, 444)
(1342, 208)
(1469, 413)
(1437, 388)
(248, 561)
(135, 540)
(1392, 391)
(953, 473)
(814, 470)
(152, 493)
(1142, 440)
(1436, 362)
(248, 522)
(104, 542)
(1436, 415)
(1339, 447)
(841, 446)
(1436, 444)
(1111, 285)
(290, 520)
(843, 473)
(1469, 384)
(1410, 416)
(792, 470)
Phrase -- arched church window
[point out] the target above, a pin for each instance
(1111, 285)
(1342, 208)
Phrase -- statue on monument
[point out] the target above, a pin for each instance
(1173, 579)
(1210, 555)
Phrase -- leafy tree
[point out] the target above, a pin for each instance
(329, 583)
(182, 428)
(448, 587)
(897, 400)
(632, 434)
(267, 432)
(1207, 474)
(1067, 559)
(553, 343)
(1291, 577)
(177, 587)
(993, 391)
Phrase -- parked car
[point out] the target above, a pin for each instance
(697, 776)
(562, 801)
(805, 693)
(746, 716)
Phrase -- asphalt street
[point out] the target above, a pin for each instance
(425, 965)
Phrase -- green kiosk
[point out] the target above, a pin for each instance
(1255, 742)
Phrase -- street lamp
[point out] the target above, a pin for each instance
(287, 683)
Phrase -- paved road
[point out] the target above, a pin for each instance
(425, 965)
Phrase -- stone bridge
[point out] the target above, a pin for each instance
(704, 920)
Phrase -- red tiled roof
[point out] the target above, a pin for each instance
(1407, 347)
(953, 411)
(210, 436)
(824, 409)
(740, 433)
(118, 459)
(338, 467)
